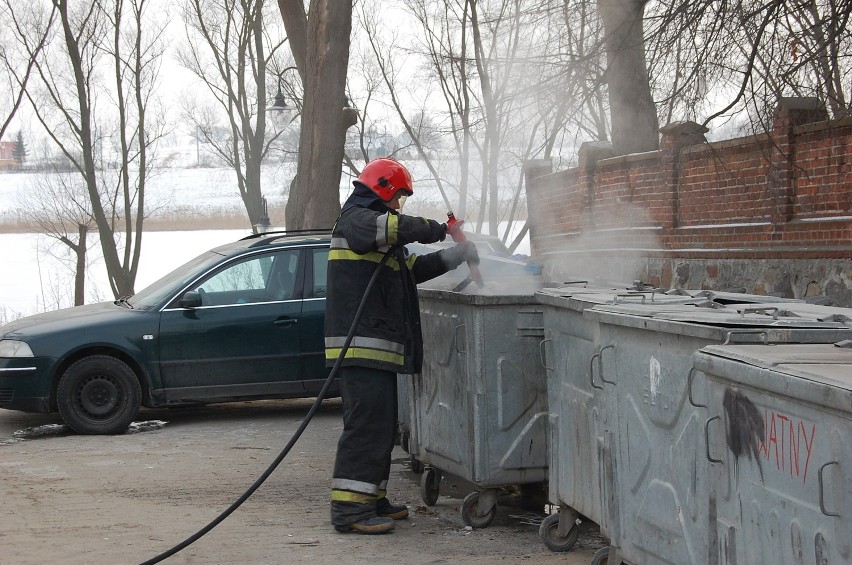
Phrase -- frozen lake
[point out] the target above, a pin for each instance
(34, 279)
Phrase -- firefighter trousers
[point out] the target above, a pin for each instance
(362, 465)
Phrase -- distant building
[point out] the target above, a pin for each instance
(7, 161)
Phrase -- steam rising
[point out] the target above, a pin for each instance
(613, 247)
(500, 277)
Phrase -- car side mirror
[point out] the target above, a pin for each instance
(190, 299)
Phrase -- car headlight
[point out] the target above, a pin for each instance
(14, 348)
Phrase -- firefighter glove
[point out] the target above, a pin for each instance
(437, 232)
(463, 252)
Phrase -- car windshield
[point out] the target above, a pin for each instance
(165, 288)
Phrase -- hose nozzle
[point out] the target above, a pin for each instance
(455, 231)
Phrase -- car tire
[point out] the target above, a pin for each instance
(98, 395)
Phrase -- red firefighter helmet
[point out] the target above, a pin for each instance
(386, 177)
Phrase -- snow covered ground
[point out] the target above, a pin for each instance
(35, 280)
(36, 273)
(198, 188)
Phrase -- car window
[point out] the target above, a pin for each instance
(260, 278)
(283, 281)
(153, 295)
(320, 273)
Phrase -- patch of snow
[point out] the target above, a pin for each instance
(47, 430)
(145, 426)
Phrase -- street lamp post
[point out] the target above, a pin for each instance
(264, 224)
(284, 114)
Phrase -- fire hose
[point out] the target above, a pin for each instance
(455, 231)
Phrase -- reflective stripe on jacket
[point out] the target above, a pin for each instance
(388, 336)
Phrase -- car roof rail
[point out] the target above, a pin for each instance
(279, 234)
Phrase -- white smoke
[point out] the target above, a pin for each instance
(614, 249)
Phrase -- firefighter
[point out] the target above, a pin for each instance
(387, 340)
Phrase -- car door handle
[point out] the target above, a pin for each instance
(286, 321)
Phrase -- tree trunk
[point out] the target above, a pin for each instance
(80, 268)
(121, 282)
(632, 110)
(314, 200)
(296, 24)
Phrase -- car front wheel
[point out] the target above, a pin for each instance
(98, 395)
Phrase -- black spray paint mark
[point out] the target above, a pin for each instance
(745, 431)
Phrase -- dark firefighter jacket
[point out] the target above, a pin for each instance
(388, 336)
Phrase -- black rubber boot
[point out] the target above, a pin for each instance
(385, 509)
(372, 525)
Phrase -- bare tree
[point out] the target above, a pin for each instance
(720, 59)
(386, 67)
(634, 115)
(57, 205)
(805, 50)
(229, 48)
(519, 79)
(363, 140)
(319, 41)
(445, 46)
(95, 93)
(18, 51)
(502, 92)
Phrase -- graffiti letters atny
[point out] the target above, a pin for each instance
(789, 443)
(783, 441)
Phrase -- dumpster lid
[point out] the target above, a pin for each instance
(573, 288)
(788, 315)
(570, 288)
(726, 297)
(483, 298)
(579, 298)
(792, 314)
(721, 323)
(647, 302)
(785, 368)
(784, 354)
(815, 311)
(654, 305)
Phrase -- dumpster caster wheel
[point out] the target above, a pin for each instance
(430, 484)
(472, 514)
(549, 534)
(601, 556)
(415, 464)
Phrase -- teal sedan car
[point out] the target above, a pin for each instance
(240, 322)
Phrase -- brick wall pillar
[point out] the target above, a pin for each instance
(789, 113)
(675, 136)
(535, 168)
(589, 154)
(532, 169)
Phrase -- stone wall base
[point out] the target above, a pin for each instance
(788, 278)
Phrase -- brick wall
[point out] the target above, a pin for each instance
(769, 213)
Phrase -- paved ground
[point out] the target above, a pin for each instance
(124, 499)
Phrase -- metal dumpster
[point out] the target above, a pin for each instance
(778, 443)
(580, 436)
(479, 408)
(657, 404)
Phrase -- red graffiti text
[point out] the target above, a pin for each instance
(788, 442)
